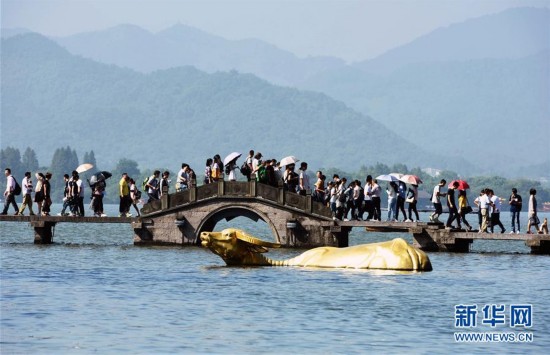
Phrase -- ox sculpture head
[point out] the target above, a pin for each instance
(235, 247)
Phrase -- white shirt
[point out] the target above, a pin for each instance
(333, 194)
(80, 187)
(435, 195)
(233, 174)
(10, 183)
(368, 190)
(305, 181)
(391, 193)
(376, 190)
(484, 201)
(496, 201)
(26, 183)
(182, 176)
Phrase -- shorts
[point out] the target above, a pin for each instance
(438, 208)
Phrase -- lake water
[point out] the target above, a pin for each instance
(92, 291)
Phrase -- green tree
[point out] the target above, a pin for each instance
(11, 158)
(64, 161)
(124, 165)
(29, 161)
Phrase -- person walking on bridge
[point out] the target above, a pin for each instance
(304, 179)
(124, 194)
(9, 193)
(515, 209)
(26, 186)
(451, 205)
(436, 200)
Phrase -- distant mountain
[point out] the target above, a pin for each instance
(514, 33)
(51, 99)
(133, 47)
(493, 112)
(10, 32)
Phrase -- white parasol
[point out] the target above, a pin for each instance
(231, 157)
(84, 167)
(387, 177)
(288, 160)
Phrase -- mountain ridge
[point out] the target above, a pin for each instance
(182, 114)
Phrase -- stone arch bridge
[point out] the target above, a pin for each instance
(295, 220)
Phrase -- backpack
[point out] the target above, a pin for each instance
(342, 196)
(144, 184)
(17, 188)
(245, 169)
(262, 175)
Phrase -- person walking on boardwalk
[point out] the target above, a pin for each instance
(436, 200)
(304, 179)
(484, 204)
(451, 205)
(533, 218)
(9, 193)
(319, 193)
(464, 208)
(358, 197)
(495, 212)
(217, 168)
(376, 200)
(153, 186)
(369, 206)
(47, 192)
(38, 196)
(81, 191)
(247, 166)
(135, 195)
(392, 201)
(182, 180)
(256, 164)
(26, 186)
(124, 195)
(515, 208)
(401, 196)
(164, 183)
(412, 199)
(66, 197)
(208, 171)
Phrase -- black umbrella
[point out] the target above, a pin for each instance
(100, 176)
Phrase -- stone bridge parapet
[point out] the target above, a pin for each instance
(294, 220)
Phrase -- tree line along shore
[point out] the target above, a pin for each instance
(65, 160)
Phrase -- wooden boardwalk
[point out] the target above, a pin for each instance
(434, 236)
(66, 219)
(161, 216)
(44, 225)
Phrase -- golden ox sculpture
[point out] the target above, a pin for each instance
(237, 248)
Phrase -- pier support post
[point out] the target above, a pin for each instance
(341, 234)
(538, 246)
(43, 232)
(439, 240)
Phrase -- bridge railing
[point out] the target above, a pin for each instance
(237, 189)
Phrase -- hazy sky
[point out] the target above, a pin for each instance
(349, 29)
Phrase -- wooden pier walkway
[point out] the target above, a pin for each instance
(43, 225)
(427, 236)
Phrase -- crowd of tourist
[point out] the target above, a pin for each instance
(346, 200)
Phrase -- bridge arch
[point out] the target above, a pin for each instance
(229, 212)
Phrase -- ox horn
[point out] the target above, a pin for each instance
(252, 240)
